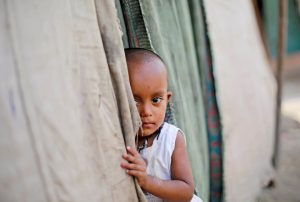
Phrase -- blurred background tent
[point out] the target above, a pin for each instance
(269, 17)
(268, 20)
(246, 96)
(67, 111)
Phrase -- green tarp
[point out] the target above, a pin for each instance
(170, 31)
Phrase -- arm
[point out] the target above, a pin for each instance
(180, 188)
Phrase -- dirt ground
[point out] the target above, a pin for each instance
(286, 186)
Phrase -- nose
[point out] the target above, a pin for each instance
(145, 110)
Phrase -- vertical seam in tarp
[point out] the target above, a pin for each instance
(213, 122)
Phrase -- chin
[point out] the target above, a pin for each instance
(147, 132)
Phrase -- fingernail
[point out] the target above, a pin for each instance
(128, 147)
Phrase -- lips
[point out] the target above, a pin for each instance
(147, 124)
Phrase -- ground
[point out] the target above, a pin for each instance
(286, 186)
(286, 181)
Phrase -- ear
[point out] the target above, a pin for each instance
(169, 95)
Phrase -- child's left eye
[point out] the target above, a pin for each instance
(156, 100)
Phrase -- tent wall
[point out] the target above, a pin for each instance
(213, 122)
(66, 109)
(245, 92)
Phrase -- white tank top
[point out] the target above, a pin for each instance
(159, 156)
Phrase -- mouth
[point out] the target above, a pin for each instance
(147, 124)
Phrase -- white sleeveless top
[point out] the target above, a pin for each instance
(159, 156)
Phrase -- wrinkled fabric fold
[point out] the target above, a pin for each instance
(66, 109)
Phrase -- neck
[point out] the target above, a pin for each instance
(146, 141)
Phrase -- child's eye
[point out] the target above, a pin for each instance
(156, 100)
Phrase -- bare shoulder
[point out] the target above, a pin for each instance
(180, 140)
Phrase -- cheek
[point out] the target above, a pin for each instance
(161, 112)
(139, 108)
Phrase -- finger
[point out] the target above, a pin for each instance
(131, 158)
(131, 166)
(123, 165)
(135, 173)
(125, 156)
(137, 160)
(132, 151)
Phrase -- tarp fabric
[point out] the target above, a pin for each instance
(66, 109)
(245, 92)
(214, 131)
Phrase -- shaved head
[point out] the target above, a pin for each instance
(142, 55)
(144, 62)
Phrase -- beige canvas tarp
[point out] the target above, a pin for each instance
(245, 93)
(66, 109)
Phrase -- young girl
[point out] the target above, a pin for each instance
(161, 166)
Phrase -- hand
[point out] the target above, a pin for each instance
(135, 165)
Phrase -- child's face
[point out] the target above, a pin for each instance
(149, 86)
